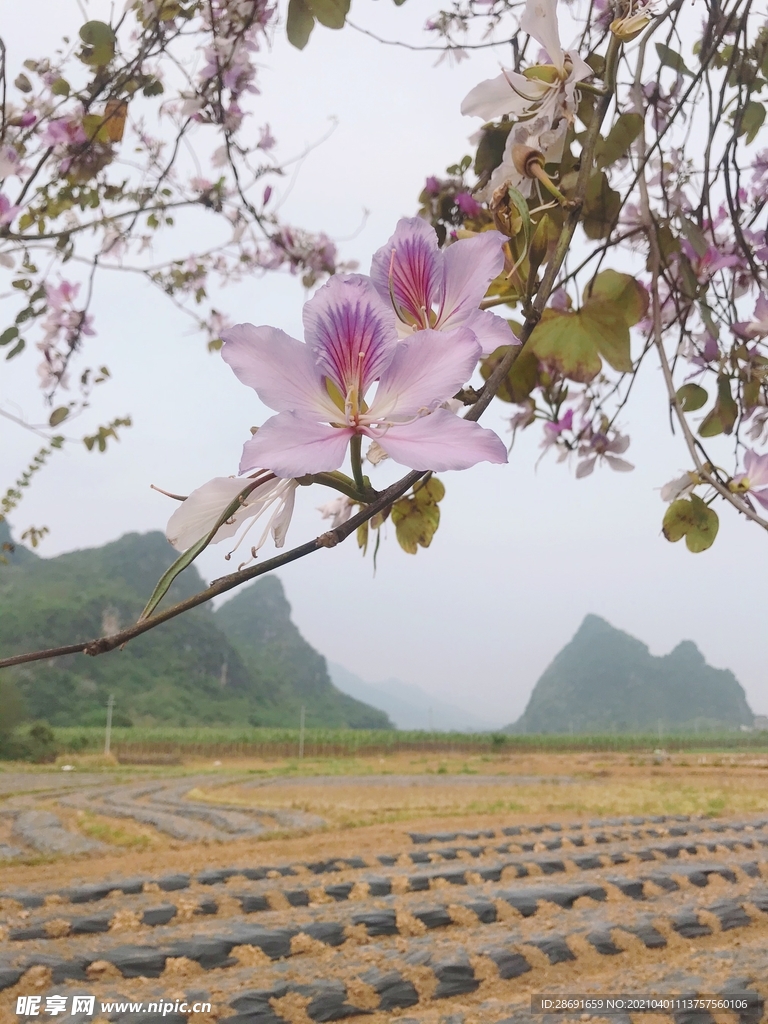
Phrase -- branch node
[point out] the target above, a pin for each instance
(328, 540)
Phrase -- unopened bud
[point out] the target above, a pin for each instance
(525, 159)
(628, 28)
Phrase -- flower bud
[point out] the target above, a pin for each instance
(525, 158)
(628, 28)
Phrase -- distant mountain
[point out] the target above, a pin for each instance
(189, 671)
(10, 552)
(257, 621)
(408, 706)
(605, 680)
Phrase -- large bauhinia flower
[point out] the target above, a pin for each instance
(434, 289)
(541, 100)
(320, 388)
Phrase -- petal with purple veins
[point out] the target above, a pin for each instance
(350, 331)
(408, 270)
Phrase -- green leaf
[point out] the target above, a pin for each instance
(415, 523)
(60, 87)
(17, 348)
(8, 335)
(621, 136)
(722, 417)
(672, 59)
(331, 13)
(490, 150)
(299, 24)
(521, 379)
(574, 342)
(429, 492)
(99, 40)
(601, 207)
(22, 83)
(561, 341)
(58, 416)
(693, 519)
(691, 397)
(752, 120)
(623, 290)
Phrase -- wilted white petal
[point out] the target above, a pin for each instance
(585, 468)
(375, 453)
(540, 21)
(677, 488)
(198, 515)
(338, 511)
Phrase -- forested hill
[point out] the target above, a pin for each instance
(245, 663)
(605, 680)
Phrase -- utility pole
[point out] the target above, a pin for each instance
(301, 730)
(108, 735)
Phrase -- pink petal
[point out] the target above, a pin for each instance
(470, 266)
(761, 496)
(424, 372)
(197, 516)
(350, 331)
(291, 446)
(756, 468)
(490, 330)
(281, 370)
(409, 268)
(761, 307)
(620, 465)
(441, 441)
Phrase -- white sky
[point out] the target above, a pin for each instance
(522, 553)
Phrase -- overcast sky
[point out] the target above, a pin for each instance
(523, 552)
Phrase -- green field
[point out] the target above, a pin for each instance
(275, 742)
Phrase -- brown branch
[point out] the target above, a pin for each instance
(329, 539)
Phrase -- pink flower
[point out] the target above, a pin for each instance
(320, 389)
(63, 132)
(754, 479)
(597, 445)
(266, 139)
(468, 205)
(7, 212)
(440, 290)
(432, 186)
(757, 327)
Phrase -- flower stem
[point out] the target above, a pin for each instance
(355, 452)
(339, 482)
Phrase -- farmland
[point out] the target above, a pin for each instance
(425, 885)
